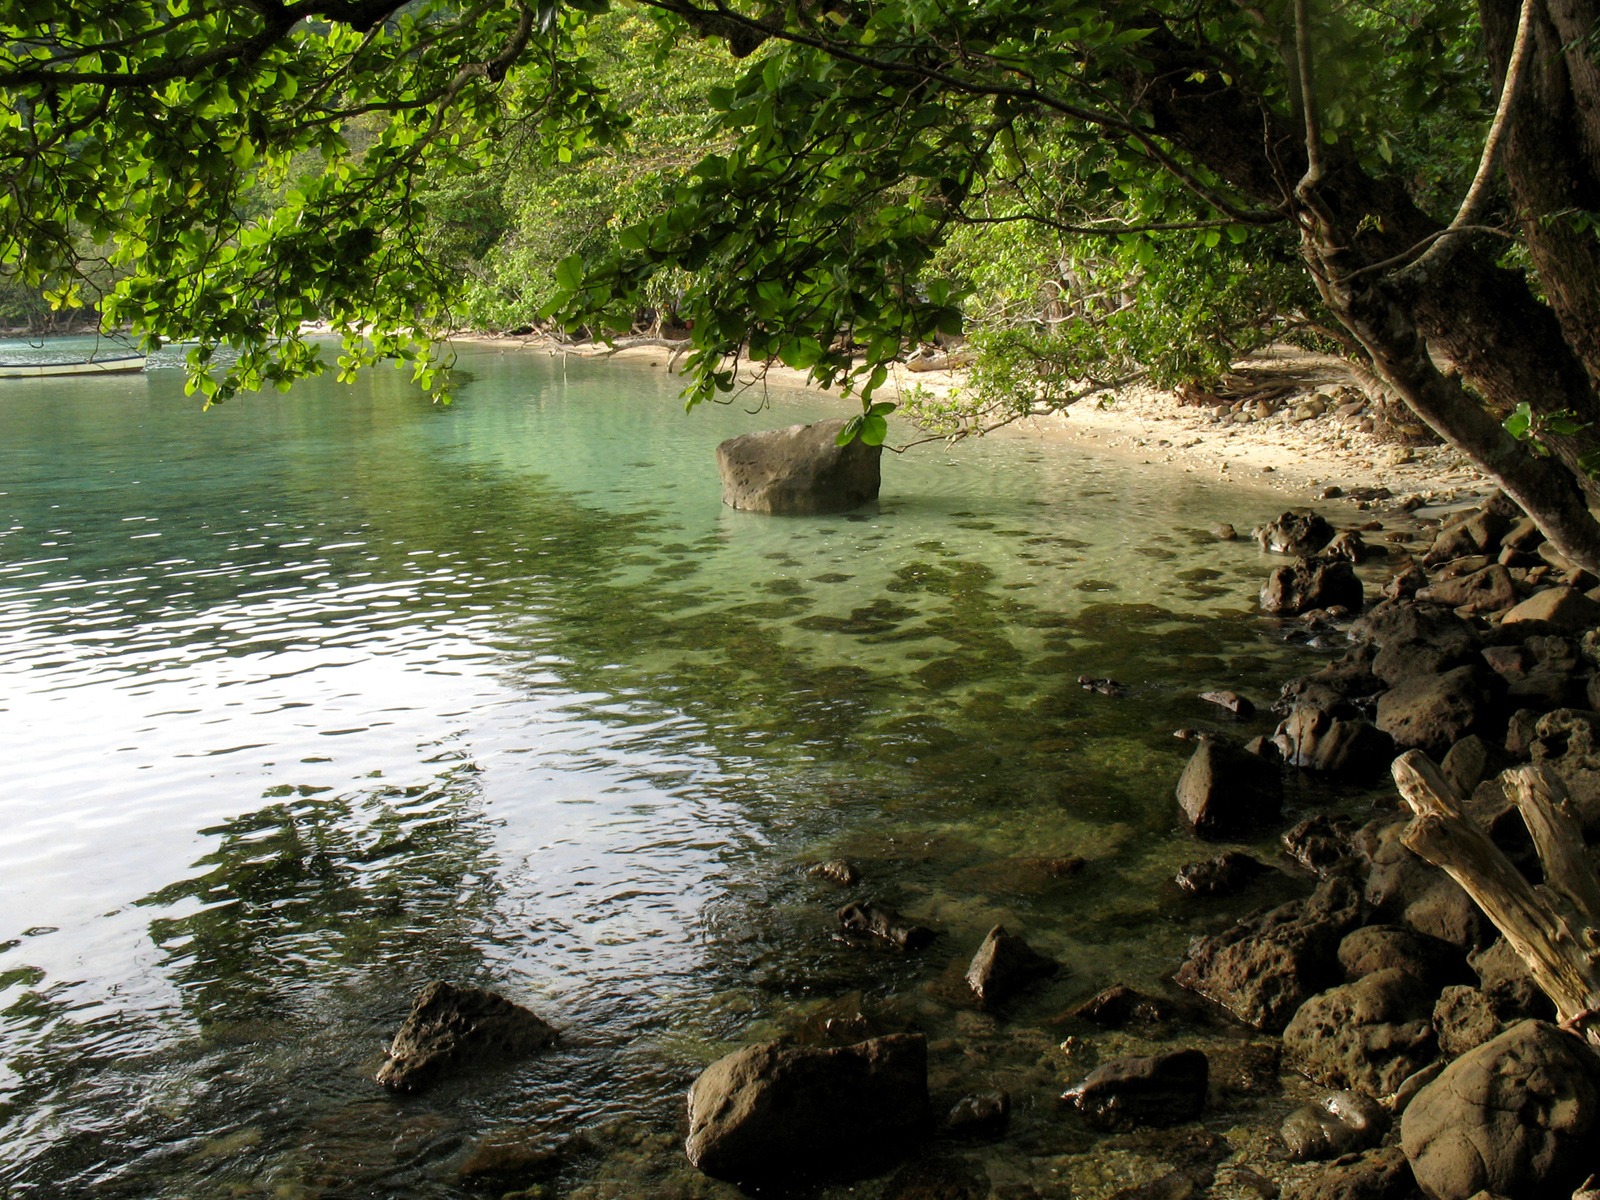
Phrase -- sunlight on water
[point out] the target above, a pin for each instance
(310, 699)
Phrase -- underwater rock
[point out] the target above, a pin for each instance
(1119, 1004)
(1230, 701)
(981, 1115)
(1376, 1175)
(867, 919)
(452, 1026)
(1227, 873)
(771, 1113)
(1517, 1116)
(1319, 843)
(1102, 687)
(1003, 966)
(835, 870)
(1225, 790)
(1339, 1123)
(798, 470)
(1140, 1090)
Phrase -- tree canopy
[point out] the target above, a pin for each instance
(1420, 180)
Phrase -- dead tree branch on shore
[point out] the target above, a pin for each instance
(1554, 926)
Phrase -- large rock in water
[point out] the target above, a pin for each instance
(798, 470)
(452, 1026)
(1517, 1117)
(1266, 966)
(1225, 791)
(1312, 583)
(1126, 1093)
(775, 1113)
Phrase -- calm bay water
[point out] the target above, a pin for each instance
(311, 698)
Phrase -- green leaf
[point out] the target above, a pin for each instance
(851, 429)
(1520, 422)
(874, 429)
(569, 273)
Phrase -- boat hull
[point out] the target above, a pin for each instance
(127, 365)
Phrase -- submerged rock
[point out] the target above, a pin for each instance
(773, 1114)
(835, 870)
(867, 919)
(451, 1026)
(1003, 966)
(1377, 1175)
(1119, 1004)
(980, 1115)
(1139, 1090)
(798, 470)
(1227, 873)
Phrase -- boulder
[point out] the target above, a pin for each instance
(1477, 532)
(772, 1113)
(1119, 1004)
(1298, 533)
(1348, 544)
(1003, 966)
(1377, 1175)
(1318, 843)
(1413, 638)
(1432, 712)
(1264, 967)
(1464, 1018)
(1368, 1035)
(1312, 583)
(1374, 948)
(1487, 590)
(1225, 791)
(450, 1027)
(798, 470)
(1228, 873)
(1402, 887)
(1557, 610)
(1140, 1090)
(1517, 1117)
(1231, 702)
(1339, 1123)
(1312, 738)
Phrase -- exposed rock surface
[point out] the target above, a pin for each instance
(1375, 948)
(1313, 738)
(451, 1027)
(1489, 589)
(1003, 966)
(1225, 790)
(1557, 609)
(1432, 712)
(1516, 1117)
(798, 470)
(1368, 1035)
(1312, 583)
(1464, 1018)
(775, 1113)
(1159, 1089)
(1298, 532)
(1265, 967)
(1339, 1123)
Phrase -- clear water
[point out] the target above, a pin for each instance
(311, 698)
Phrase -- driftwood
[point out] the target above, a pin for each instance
(1555, 926)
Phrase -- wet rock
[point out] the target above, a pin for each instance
(1264, 967)
(1230, 701)
(1368, 1035)
(1377, 1175)
(835, 870)
(1226, 874)
(451, 1027)
(981, 1115)
(1339, 1123)
(1024, 875)
(1137, 1091)
(1119, 1005)
(1516, 1116)
(1318, 843)
(1187, 1183)
(770, 1113)
(1464, 1018)
(1432, 712)
(1298, 533)
(1224, 791)
(798, 470)
(1312, 583)
(870, 920)
(1557, 610)
(1484, 591)
(1003, 966)
(1413, 638)
(508, 1159)
(939, 1178)
(1102, 687)
(1312, 738)
(1347, 544)
(1225, 533)
(1374, 948)
(1477, 532)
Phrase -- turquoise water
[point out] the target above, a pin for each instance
(309, 699)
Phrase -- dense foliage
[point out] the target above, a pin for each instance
(1106, 186)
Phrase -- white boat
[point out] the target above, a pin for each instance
(126, 364)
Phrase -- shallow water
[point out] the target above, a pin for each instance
(312, 698)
